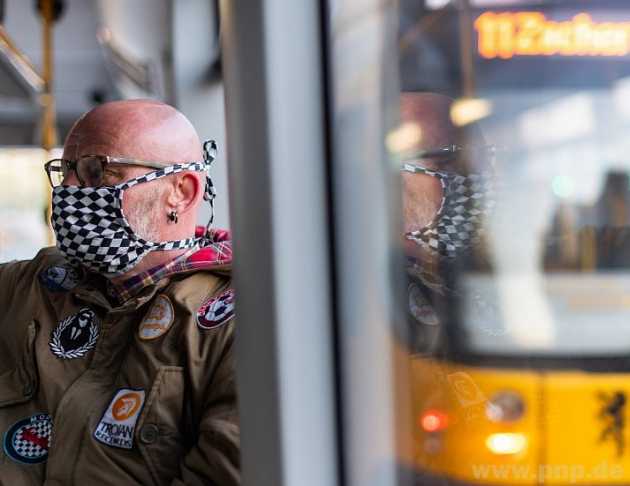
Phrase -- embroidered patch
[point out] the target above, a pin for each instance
(158, 320)
(60, 278)
(216, 311)
(420, 308)
(75, 335)
(118, 423)
(28, 440)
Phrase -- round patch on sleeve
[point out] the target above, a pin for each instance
(158, 320)
(420, 308)
(216, 311)
(28, 440)
(58, 278)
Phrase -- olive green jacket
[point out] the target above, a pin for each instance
(134, 394)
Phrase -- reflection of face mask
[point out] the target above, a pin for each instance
(457, 224)
(91, 228)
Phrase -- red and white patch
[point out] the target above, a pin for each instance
(28, 440)
(216, 311)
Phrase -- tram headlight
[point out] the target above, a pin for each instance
(505, 406)
(506, 443)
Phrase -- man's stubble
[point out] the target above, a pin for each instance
(144, 217)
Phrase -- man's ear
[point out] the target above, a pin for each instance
(184, 192)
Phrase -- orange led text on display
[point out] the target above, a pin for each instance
(509, 34)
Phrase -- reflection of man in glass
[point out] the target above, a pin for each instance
(446, 187)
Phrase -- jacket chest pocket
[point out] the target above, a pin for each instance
(19, 384)
(160, 431)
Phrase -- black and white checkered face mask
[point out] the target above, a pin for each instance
(457, 225)
(92, 230)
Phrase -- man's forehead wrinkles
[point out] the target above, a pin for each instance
(140, 130)
(92, 142)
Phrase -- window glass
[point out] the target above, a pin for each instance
(512, 142)
(544, 90)
(24, 202)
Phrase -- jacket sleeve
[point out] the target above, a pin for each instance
(215, 458)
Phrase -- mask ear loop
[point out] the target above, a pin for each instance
(209, 155)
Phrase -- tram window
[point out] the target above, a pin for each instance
(23, 203)
(512, 144)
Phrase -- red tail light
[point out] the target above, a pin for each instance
(433, 421)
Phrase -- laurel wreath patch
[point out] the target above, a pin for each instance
(56, 346)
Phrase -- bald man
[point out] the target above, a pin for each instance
(116, 347)
(446, 183)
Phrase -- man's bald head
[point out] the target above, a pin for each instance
(429, 117)
(162, 209)
(137, 129)
(428, 114)
(431, 113)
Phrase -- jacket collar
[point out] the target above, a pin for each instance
(216, 255)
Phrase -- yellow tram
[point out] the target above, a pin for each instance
(530, 380)
(495, 425)
(506, 400)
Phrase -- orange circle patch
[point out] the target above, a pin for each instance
(158, 320)
(126, 406)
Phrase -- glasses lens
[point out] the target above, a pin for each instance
(90, 170)
(55, 172)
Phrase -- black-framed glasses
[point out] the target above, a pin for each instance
(90, 169)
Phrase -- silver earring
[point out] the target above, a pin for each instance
(172, 216)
